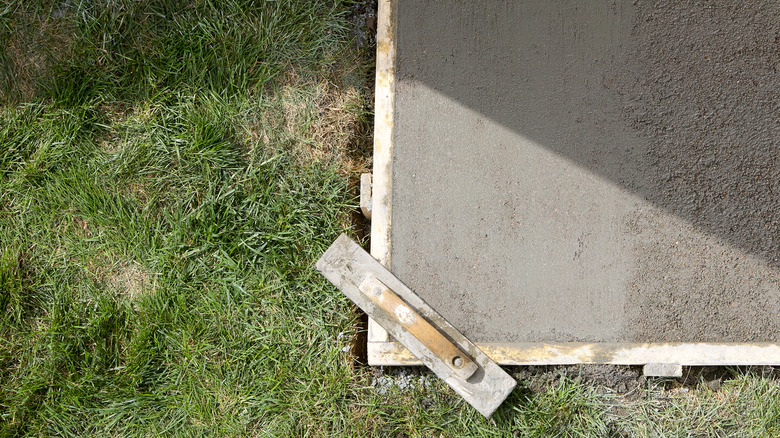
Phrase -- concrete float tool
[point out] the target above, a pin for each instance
(417, 326)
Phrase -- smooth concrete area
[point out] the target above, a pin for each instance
(603, 171)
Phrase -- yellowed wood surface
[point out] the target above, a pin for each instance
(418, 327)
(688, 354)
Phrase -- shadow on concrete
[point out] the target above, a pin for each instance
(677, 102)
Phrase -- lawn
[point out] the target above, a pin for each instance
(170, 171)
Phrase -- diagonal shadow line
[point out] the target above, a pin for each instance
(698, 83)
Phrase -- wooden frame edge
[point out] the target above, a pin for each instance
(383, 149)
(569, 353)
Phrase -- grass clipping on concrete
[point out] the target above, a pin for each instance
(169, 172)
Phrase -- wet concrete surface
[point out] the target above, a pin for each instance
(605, 172)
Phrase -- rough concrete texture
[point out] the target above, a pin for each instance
(603, 171)
(663, 370)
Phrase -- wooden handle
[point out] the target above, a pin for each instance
(419, 327)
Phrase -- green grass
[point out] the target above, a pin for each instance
(169, 173)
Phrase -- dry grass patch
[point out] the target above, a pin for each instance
(130, 279)
(318, 119)
(24, 65)
(30, 52)
(337, 128)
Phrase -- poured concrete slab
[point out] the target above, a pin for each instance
(583, 183)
